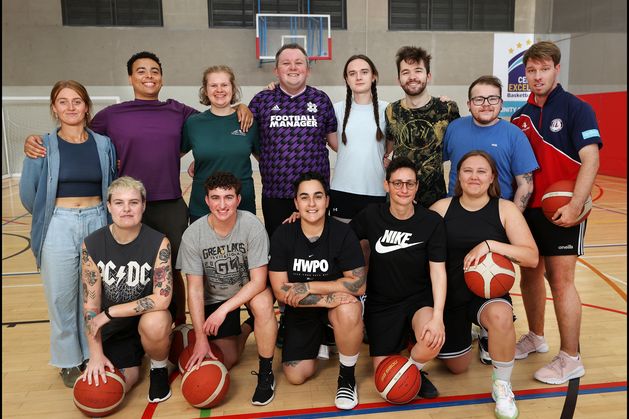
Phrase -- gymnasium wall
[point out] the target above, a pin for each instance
(38, 50)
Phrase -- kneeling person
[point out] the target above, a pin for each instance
(317, 270)
(406, 282)
(127, 287)
(225, 256)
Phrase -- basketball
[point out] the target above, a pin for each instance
(207, 386)
(492, 277)
(397, 379)
(187, 353)
(182, 336)
(559, 194)
(102, 400)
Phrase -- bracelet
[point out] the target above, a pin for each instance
(106, 311)
(488, 245)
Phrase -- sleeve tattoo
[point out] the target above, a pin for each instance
(359, 274)
(310, 299)
(164, 254)
(144, 304)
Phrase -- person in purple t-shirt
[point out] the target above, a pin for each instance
(147, 135)
(296, 122)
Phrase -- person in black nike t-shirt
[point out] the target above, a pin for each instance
(406, 280)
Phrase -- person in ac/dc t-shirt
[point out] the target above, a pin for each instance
(406, 280)
(225, 256)
(317, 270)
(127, 283)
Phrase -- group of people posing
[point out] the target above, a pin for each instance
(111, 237)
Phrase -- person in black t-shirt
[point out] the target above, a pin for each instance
(478, 222)
(127, 287)
(317, 270)
(406, 281)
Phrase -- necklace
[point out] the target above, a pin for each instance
(119, 241)
(70, 139)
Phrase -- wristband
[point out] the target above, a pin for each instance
(106, 311)
(488, 245)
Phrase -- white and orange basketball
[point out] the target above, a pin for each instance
(101, 400)
(397, 379)
(559, 194)
(493, 276)
(182, 336)
(207, 386)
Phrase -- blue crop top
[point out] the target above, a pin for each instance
(79, 170)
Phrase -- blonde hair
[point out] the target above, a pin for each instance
(126, 182)
(79, 89)
(232, 79)
(494, 187)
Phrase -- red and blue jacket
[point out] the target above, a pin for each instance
(557, 131)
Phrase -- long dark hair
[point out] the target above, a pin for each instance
(374, 96)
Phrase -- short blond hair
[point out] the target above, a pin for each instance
(126, 182)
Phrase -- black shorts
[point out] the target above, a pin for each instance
(305, 329)
(231, 324)
(169, 217)
(276, 210)
(389, 325)
(121, 342)
(553, 240)
(348, 205)
(458, 322)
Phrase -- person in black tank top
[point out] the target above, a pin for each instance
(127, 282)
(478, 222)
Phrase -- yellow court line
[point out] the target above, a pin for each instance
(611, 283)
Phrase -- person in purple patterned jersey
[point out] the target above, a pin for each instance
(296, 123)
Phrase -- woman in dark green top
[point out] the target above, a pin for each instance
(217, 142)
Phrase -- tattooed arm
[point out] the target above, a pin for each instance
(299, 294)
(523, 191)
(352, 282)
(91, 278)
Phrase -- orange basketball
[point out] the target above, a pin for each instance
(102, 400)
(207, 386)
(182, 336)
(397, 379)
(492, 277)
(187, 353)
(559, 194)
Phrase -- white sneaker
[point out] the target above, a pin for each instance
(561, 369)
(505, 400)
(530, 343)
(346, 395)
(324, 353)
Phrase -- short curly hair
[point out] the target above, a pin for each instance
(223, 180)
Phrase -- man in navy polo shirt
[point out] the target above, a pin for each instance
(565, 138)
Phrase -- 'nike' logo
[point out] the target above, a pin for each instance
(380, 248)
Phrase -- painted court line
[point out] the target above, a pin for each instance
(422, 404)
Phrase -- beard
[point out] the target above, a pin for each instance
(416, 91)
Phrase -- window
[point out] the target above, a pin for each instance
(241, 13)
(112, 12)
(451, 15)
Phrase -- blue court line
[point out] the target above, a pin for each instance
(432, 405)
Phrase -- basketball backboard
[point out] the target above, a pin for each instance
(310, 31)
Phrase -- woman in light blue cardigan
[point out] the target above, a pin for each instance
(65, 192)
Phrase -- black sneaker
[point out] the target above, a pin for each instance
(279, 342)
(483, 350)
(265, 390)
(70, 375)
(346, 394)
(427, 389)
(159, 389)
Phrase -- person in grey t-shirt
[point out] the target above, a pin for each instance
(225, 257)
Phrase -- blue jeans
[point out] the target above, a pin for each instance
(61, 275)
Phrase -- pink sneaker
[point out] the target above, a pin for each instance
(529, 343)
(561, 369)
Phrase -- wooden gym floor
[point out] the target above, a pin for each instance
(32, 388)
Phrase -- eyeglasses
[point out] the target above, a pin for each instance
(479, 100)
(397, 184)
